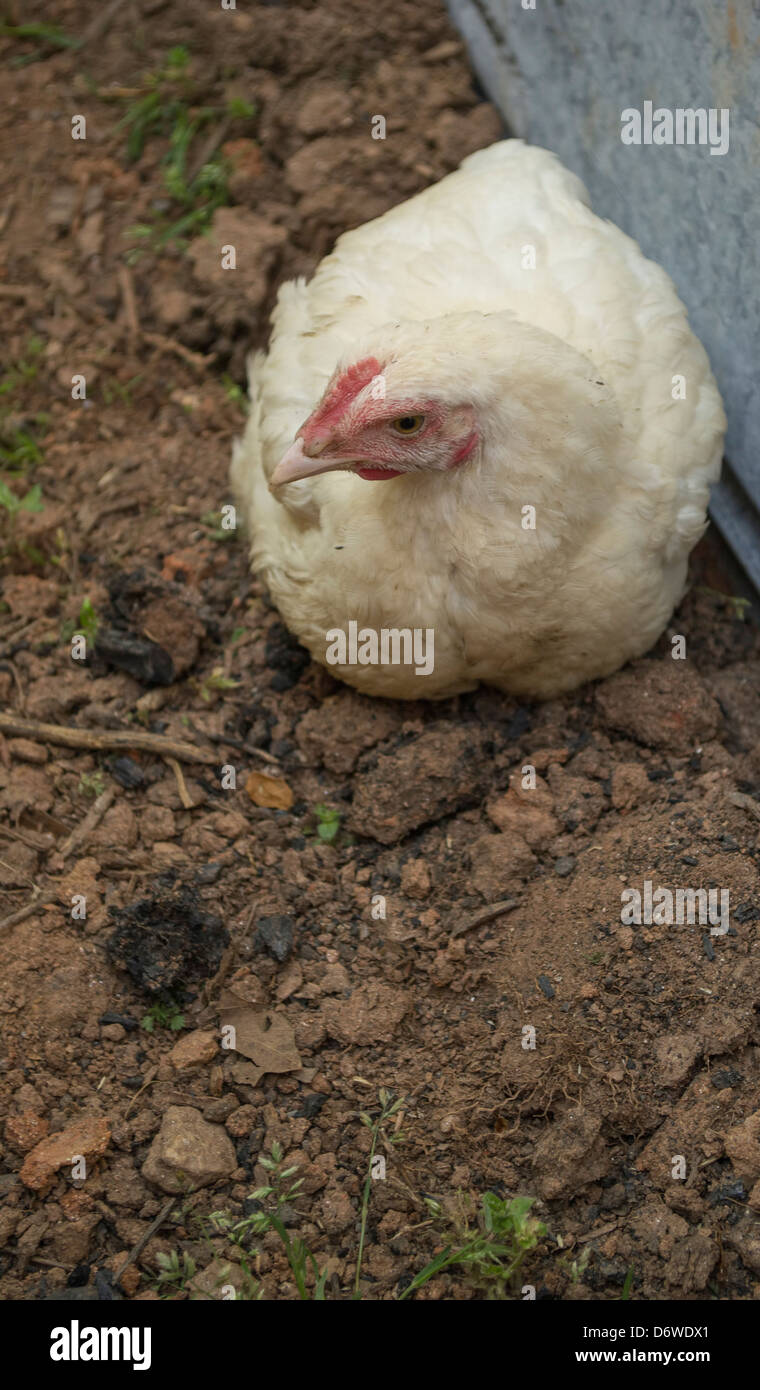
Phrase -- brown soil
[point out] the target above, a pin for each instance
(198, 900)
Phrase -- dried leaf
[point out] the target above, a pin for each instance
(269, 791)
(265, 1037)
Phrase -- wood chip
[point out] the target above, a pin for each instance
(269, 791)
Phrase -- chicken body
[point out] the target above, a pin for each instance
(558, 548)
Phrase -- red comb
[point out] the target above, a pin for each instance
(339, 396)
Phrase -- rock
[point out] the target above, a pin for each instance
(371, 1015)
(519, 815)
(71, 1240)
(87, 1138)
(564, 865)
(342, 727)
(325, 109)
(742, 1144)
(118, 827)
(497, 861)
(691, 1263)
(334, 979)
(439, 772)
(415, 878)
(276, 935)
(675, 1055)
(194, 1050)
(174, 626)
(631, 786)
(337, 1211)
(744, 1238)
(188, 1152)
(570, 1155)
(26, 1130)
(662, 704)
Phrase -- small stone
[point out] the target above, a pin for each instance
(564, 866)
(87, 1138)
(113, 1032)
(24, 1131)
(194, 1050)
(188, 1152)
(276, 934)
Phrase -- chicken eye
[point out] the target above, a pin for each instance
(408, 424)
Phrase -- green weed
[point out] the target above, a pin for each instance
(490, 1246)
(166, 1015)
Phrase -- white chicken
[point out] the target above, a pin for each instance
(485, 416)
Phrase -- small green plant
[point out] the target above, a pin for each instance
(86, 625)
(277, 1194)
(165, 109)
(217, 532)
(45, 36)
(491, 1248)
(234, 393)
(174, 1273)
(163, 1015)
(19, 446)
(92, 784)
(377, 1126)
(214, 683)
(12, 504)
(627, 1285)
(328, 823)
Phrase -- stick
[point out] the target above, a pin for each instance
(184, 795)
(107, 741)
(145, 1237)
(25, 912)
(486, 914)
(195, 359)
(93, 817)
(130, 304)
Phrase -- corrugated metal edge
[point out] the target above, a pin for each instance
(731, 507)
(738, 521)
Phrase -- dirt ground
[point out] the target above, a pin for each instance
(342, 907)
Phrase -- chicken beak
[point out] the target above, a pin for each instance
(296, 463)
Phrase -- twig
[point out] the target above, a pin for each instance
(137, 1250)
(130, 304)
(33, 1259)
(229, 742)
(108, 740)
(486, 914)
(25, 912)
(195, 359)
(184, 795)
(93, 818)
